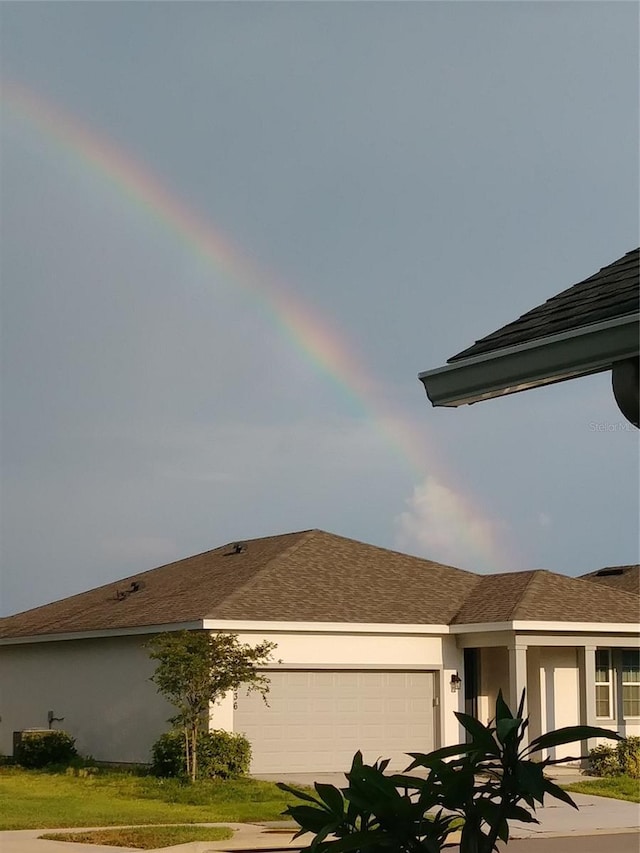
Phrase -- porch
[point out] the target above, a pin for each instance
(570, 679)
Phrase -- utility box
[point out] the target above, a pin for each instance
(17, 737)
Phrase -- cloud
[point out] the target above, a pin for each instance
(443, 525)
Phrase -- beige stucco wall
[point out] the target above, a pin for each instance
(102, 689)
(99, 686)
(553, 694)
(494, 676)
(558, 676)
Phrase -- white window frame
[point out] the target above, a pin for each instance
(608, 683)
(624, 684)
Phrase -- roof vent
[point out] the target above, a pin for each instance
(134, 586)
(238, 547)
(607, 573)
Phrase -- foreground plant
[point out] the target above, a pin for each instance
(476, 787)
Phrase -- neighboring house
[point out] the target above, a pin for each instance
(377, 650)
(593, 326)
(626, 578)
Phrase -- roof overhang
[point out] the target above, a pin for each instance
(551, 627)
(579, 352)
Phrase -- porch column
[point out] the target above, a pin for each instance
(517, 679)
(588, 685)
(587, 676)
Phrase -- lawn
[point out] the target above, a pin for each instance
(618, 787)
(144, 837)
(41, 800)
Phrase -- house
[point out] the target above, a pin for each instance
(376, 650)
(593, 326)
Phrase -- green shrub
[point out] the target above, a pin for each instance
(621, 760)
(220, 754)
(44, 748)
(628, 752)
(603, 761)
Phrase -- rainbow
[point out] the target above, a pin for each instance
(304, 328)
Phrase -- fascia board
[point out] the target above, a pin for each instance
(552, 627)
(104, 633)
(481, 627)
(588, 627)
(250, 626)
(580, 352)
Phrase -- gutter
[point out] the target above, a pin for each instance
(556, 358)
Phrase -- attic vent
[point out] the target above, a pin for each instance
(238, 548)
(134, 586)
(607, 573)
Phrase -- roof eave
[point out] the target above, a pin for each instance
(579, 352)
(630, 628)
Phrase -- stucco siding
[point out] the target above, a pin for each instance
(351, 649)
(100, 686)
(560, 694)
(494, 676)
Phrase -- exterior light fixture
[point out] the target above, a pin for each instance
(456, 682)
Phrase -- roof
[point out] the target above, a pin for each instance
(626, 578)
(314, 576)
(309, 576)
(610, 293)
(589, 328)
(545, 596)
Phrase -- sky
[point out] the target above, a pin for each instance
(232, 235)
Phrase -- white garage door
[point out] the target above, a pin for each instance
(317, 720)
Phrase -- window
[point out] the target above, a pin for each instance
(604, 683)
(630, 683)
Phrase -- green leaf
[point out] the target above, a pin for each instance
(481, 735)
(521, 814)
(570, 734)
(530, 780)
(302, 795)
(401, 780)
(332, 797)
(505, 727)
(521, 703)
(421, 759)
(558, 793)
(502, 709)
(310, 819)
(360, 841)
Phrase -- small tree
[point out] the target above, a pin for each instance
(196, 669)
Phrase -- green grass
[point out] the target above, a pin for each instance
(144, 837)
(41, 800)
(617, 787)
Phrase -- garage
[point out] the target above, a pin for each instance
(317, 719)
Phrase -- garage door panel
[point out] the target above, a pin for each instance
(318, 719)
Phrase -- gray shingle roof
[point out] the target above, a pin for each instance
(310, 576)
(610, 293)
(545, 596)
(626, 578)
(314, 576)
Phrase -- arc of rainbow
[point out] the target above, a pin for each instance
(307, 331)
